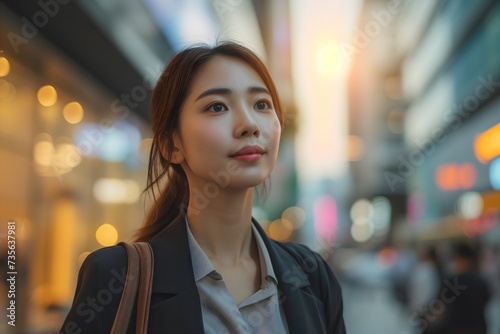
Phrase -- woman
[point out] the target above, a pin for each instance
(216, 119)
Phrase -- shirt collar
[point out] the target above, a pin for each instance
(202, 266)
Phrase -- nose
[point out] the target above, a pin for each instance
(246, 123)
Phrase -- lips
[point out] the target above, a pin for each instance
(248, 154)
(249, 150)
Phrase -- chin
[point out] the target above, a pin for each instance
(248, 181)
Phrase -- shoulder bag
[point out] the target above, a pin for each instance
(138, 283)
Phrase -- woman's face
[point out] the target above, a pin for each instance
(229, 131)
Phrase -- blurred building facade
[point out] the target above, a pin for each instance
(424, 106)
(73, 151)
(75, 82)
(424, 101)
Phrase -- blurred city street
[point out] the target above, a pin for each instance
(373, 309)
(388, 163)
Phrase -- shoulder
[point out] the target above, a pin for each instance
(303, 255)
(106, 257)
(105, 262)
(298, 251)
(323, 283)
(318, 271)
(98, 292)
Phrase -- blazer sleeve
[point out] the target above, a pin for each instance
(325, 286)
(100, 284)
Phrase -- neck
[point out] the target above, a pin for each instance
(222, 225)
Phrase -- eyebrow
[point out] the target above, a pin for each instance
(227, 91)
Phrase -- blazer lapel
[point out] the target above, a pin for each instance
(175, 302)
(304, 313)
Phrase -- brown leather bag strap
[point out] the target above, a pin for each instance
(126, 306)
(146, 284)
(140, 262)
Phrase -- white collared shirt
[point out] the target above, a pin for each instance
(260, 313)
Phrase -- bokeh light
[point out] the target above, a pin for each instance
(361, 210)
(495, 174)
(73, 112)
(47, 96)
(486, 144)
(4, 67)
(361, 232)
(325, 217)
(330, 59)
(106, 235)
(387, 257)
(43, 153)
(116, 191)
(295, 215)
(470, 204)
(280, 231)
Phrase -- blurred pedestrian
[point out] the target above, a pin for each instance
(216, 119)
(425, 279)
(464, 295)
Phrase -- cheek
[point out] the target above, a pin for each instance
(271, 132)
(201, 139)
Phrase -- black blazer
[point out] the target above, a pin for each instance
(307, 287)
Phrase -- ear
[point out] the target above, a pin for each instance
(177, 153)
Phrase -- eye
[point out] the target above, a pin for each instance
(217, 107)
(263, 105)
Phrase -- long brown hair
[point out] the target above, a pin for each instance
(167, 100)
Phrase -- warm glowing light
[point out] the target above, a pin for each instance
(280, 231)
(65, 229)
(330, 59)
(487, 144)
(106, 235)
(387, 257)
(491, 201)
(41, 293)
(355, 148)
(295, 215)
(73, 112)
(467, 176)
(4, 67)
(67, 155)
(446, 176)
(450, 177)
(43, 153)
(47, 96)
(115, 191)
